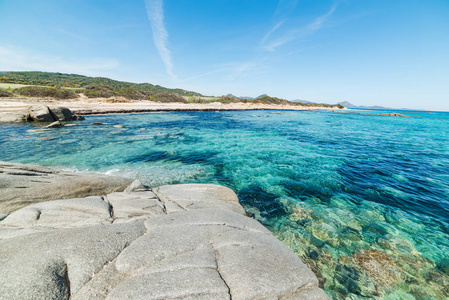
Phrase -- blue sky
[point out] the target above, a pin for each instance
(385, 52)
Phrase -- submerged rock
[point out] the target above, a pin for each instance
(393, 114)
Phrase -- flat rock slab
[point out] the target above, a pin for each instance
(175, 242)
(57, 263)
(22, 185)
(198, 196)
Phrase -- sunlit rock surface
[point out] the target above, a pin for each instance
(174, 242)
(21, 185)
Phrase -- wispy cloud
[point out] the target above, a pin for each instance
(283, 10)
(293, 34)
(235, 70)
(275, 27)
(155, 13)
(19, 59)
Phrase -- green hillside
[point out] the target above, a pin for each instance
(69, 86)
(80, 81)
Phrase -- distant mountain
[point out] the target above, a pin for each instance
(350, 105)
(80, 81)
(252, 98)
(302, 101)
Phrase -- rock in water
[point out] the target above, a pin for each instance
(77, 118)
(21, 185)
(56, 124)
(63, 113)
(393, 115)
(42, 113)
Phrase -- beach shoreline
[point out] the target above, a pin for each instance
(103, 106)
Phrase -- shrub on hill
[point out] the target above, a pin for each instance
(231, 99)
(102, 91)
(166, 97)
(132, 94)
(38, 91)
(98, 91)
(265, 99)
(5, 93)
(79, 81)
(198, 100)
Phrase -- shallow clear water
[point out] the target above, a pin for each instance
(363, 199)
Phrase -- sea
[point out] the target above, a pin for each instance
(361, 198)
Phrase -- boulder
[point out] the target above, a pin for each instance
(21, 185)
(14, 117)
(63, 113)
(42, 113)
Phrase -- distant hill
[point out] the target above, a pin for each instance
(69, 86)
(350, 105)
(80, 81)
(302, 101)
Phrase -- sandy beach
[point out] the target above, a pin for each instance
(86, 106)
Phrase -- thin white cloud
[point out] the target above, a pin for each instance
(318, 22)
(19, 59)
(283, 10)
(269, 33)
(235, 70)
(293, 34)
(155, 13)
(285, 7)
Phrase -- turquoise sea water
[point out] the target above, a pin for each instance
(363, 199)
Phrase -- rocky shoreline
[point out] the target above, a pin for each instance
(190, 241)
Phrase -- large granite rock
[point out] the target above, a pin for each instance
(21, 185)
(14, 117)
(40, 113)
(63, 113)
(136, 245)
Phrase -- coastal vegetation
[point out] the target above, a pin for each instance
(5, 93)
(71, 86)
(38, 91)
(80, 81)
(131, 94)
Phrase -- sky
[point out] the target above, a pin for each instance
(393, 53)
